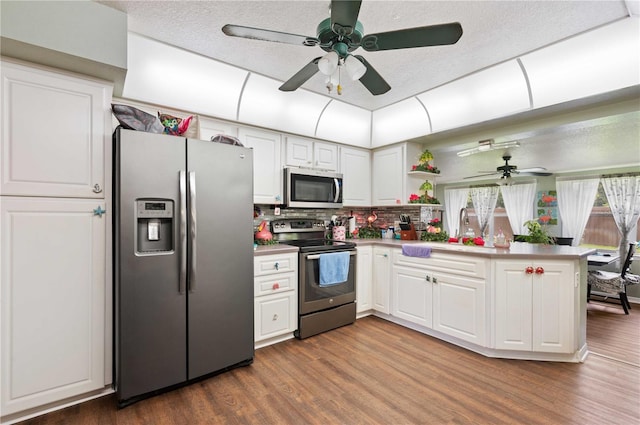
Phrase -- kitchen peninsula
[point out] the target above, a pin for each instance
(527, 302)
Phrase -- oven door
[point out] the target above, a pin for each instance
(314, 297)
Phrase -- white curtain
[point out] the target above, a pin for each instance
(454, 201)
(484, 202)
(623, 195)
(518, 201)
(575, 201)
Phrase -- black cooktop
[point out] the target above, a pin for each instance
(309, 245)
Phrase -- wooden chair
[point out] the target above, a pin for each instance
(612, 283)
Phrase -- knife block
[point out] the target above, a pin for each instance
(409, 235)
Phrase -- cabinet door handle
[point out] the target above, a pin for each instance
(529, 270)
(428, 278)
(97, 188)
(276, 286)
(539, 270)
(385, 255)
(435, 280)
(275, 317)
(277, 266)
(99, 211)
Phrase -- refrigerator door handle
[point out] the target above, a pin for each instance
(192, 229)
(183, 232)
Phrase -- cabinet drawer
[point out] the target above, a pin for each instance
(457, 264)
(275, 315)
(271, 284)
(270, 264)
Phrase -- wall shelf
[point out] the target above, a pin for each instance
(423, 173)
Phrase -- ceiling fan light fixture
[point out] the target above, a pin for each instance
(488, 145)
(355, 68)
(328, 63)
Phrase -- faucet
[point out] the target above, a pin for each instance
(463, 213)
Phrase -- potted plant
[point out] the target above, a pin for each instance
(537, 234)
(424, 163)
(434, 232)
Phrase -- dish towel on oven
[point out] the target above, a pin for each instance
(416, 251)
(334, 268)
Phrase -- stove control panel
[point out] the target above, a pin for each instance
(297, 225)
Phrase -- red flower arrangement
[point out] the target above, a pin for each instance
(425, 167)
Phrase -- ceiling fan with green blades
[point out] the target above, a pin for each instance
(341, 34)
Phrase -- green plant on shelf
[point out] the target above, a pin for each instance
(424, 163)
(428, 168)
(423, 199)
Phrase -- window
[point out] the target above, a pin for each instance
(500, 218)
(601, 230)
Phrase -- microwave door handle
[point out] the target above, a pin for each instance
(337, 183)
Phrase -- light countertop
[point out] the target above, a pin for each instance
(516, 250)
(274, 249)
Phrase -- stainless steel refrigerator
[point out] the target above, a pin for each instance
(183, 261)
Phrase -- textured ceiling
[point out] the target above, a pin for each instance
(494, 31)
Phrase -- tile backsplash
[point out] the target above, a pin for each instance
(386, 215)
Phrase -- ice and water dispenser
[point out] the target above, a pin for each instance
(154, 226)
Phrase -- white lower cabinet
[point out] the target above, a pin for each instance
(412, 296)
(381, 279)
(364, 281)
(459, 307)
(535, 305)
(446, 293)
(275, 315)
(52, 300)
(276, 297)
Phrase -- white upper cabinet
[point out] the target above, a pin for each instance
(308, 153)
(391, 183)
(267, 164)
(355, 165)
(55, 129)
(210, 128)
(325, 156)
(388, 176)
(299, 152)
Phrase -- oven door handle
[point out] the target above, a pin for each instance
(316, 256)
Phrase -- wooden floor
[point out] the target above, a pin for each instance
(375, 372)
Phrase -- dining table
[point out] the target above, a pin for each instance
(601, 259)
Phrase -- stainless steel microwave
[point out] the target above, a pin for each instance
(308, 188)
